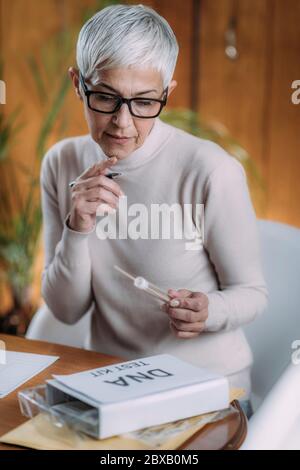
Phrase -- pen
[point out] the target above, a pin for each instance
(113, 175)
(109, 175)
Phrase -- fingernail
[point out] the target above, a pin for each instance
(174, 303)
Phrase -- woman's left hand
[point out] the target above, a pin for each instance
(188, 312)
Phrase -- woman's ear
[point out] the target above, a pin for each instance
(73, 74)
(172, 86)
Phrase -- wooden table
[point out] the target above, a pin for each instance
(226, 434)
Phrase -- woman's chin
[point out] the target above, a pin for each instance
(115, 150)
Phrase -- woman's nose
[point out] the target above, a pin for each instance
(122, 118)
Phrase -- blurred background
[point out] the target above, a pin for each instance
(237, 74)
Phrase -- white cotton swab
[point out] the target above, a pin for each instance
(142, 283)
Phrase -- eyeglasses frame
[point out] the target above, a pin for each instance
(121, 100)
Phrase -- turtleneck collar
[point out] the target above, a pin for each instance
(159, 133)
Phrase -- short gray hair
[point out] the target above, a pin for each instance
(127, 35)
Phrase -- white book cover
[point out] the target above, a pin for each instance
(143, 392)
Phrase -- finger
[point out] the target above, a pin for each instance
(91, 208)
(193, 303)
(104, 209)
(179, 293)
(100, 195)
(106, 196)
(97, 208)
(96, 181)
(98, 168)
(184, 326)
(107, 164)
(182, 334)
(188, 316)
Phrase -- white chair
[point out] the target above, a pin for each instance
(275, 381)
(45, 327)
(276, 424)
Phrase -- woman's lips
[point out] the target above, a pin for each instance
(119, 140)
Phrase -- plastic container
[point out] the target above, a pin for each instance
(80, 416)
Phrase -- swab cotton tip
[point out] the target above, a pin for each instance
(141, 283)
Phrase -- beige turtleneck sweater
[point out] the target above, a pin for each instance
(171, 166)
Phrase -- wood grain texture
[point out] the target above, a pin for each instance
(251, 95)
(283, 153)
(179, 15)
(232, 92)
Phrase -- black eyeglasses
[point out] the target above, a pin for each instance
(109, 103)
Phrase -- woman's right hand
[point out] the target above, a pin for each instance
(93, 188)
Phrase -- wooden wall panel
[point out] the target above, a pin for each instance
(1, 23)
(284, 117)
(232, 91)
(179, 15)
(251, 96)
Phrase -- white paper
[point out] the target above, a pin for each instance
(20, 367)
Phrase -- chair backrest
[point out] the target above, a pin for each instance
(276, 425)
(45, 327)
(271, 335)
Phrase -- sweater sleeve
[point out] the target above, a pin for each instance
(66, 278)
(232, 242)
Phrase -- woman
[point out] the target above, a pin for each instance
(126, 57)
